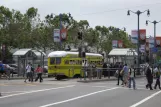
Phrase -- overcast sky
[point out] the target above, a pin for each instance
(97, 12)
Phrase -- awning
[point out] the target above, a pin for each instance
(21, 52)
(122, 52)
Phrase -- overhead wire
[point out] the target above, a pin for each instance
(112, 10)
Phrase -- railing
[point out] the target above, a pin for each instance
(89, 73)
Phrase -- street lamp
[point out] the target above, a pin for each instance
(138, 13)
(154, 22)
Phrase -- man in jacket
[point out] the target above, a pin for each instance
(149, 77)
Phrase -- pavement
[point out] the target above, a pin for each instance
(70, 93)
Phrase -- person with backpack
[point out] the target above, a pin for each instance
(132, 77)
(157, 74)
(39, 72)
(120, 76)
(125, 75)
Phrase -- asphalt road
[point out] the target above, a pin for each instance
(70, 93)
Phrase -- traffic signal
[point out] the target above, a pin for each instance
(83, 54)
(80, 52)
(80, 35)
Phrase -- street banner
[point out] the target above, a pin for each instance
(63, 34)
(120, 44)
(142, 48)
(151, 42)
(142, 34)
(147, 44)
(134, 36)
(114, 44)
(158, 41)
(56, 35)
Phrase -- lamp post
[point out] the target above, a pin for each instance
(154, 22)
(138, 13)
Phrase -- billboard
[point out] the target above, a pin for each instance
(56, 35)
(114, 44)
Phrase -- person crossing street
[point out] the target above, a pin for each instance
(157, 74)
(39, 72)
(132, 77)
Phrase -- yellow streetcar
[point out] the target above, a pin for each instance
(65, 64)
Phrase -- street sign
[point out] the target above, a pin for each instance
(56, 35)
(154, 49)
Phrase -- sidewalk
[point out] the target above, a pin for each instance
(103, 79)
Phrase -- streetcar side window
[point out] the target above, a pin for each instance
(58, 60)
(52, 61)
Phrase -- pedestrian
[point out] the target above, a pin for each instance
(157, 74)
(105, 73)
(149, 77)
(39, 72)
(120, 76)
(31, 73)
(1, 69)
(125, 75)
(28, 72)
(132, 77)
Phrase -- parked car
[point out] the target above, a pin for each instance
(12, 68)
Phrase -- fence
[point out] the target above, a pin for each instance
(89, 73)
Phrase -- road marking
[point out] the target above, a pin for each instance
(79, 97)
(35, 91)
(146, 99)
(30, 84)
(13, 92)
(3, 85)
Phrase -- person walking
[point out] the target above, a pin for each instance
(125, 75)
(132, 77)
(28, 72)
(157, 74)
(39, 72)
(149, 77)
(120, 76)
